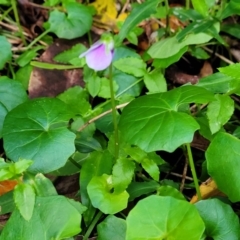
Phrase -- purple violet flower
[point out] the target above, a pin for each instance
(99, 56)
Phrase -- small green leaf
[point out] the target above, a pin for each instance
(76, 23)
(27, 56)
(40, 134)
(23, 75)
(137, 189)
(155, 82)
(232, 29)
(220, 220)
(231, 70)
(123, 171)
(223, 163)
(24, 198)
(104, 91)
(156, 117)
(134, 66)
(112, 228)
(94, 85)
(139, 13)
(5, 51)
(219, 112)
(99, 191)
(157, 217)
(170, 191)
(68, 55)
(6, 203)
(151, 168)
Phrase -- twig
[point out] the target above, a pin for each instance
(125, 6)
(100, 116)
(180, 175)
(184, 174)
(219, 56)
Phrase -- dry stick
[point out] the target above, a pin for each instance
(180, 175)
(101, 115)
(125, 6)
(219, 55)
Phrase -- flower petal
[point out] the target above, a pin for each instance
(99, 58)
(94, 46)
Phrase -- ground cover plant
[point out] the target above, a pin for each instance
(119, 120)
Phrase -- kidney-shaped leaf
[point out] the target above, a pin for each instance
(220, 220)
(99, 191)
(37, 130)
(12, 93)
(157, 217)
(153, 122)
(223, 164)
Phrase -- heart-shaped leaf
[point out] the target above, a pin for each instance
(153, 122)
(157, 217)
(75, 24)
(99, 191)
(223, 164)
(37, 130)
(5, 51)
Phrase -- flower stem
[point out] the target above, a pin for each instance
(191, 163)
(114, 113)
(92, 225)
(38, 38)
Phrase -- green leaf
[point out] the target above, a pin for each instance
(151, 168)
(232, 70)
(76, 23)
(5, 51)
(104, 91)
(27, 56)
(6, 203)
(12, 94)
(170, 191)
(156, 117)
(199, 53)
(68, 55)
(137, 189)
(220, 220)
(219, 112)
(155, 82)
(223, 163)
(99, 191)
(76, 99)
(139, 13)
(232, 29)
(96, 164)
(134, 66)
(174, 221)
(23, 75)
(200, 6)
(216, 83)
(53, 217)
(168, 47)
(40, 134)
(24, 198)
(112, 228)
(123, 172)
(43, 186)
(94, 85)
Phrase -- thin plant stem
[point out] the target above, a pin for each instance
(187, 4)
(5, 13)
(89, 38)
(38, 38)
(92, 225)
(114, 113)
(14, 6)
(191, 163)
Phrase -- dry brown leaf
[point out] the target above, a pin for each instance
(208, 189)
(7, 186)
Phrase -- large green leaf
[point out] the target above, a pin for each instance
(223, 164)
(53, 218)
(153, 122)
(157, 217)
(200, 6)
(37, 130)
(139, 13)
(112, 228)
(99, 190)
(220, 220)
(76, 23)
(5, 51)
(12, 94)
(219, 112)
